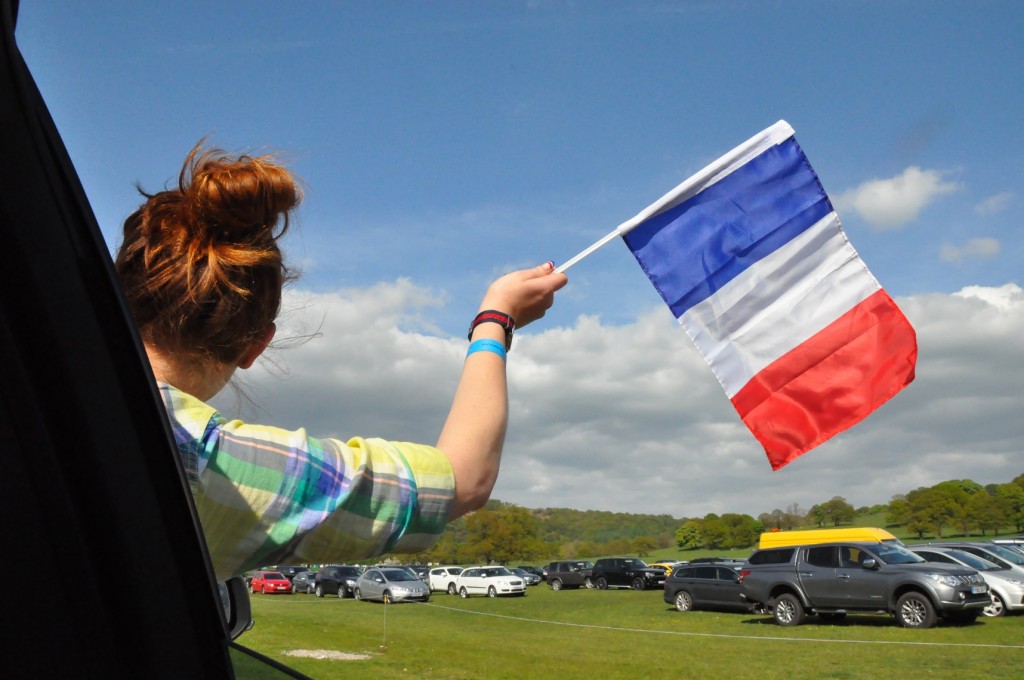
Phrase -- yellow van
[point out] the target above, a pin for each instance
(778, 539)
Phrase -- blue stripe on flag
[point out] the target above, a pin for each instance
(693, 249)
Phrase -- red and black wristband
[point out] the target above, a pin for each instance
(500, 318)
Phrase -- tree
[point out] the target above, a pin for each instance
(988, 511)
(643, 545)
(929, 507)
(818, 514)
(688, 535)
(837, 511)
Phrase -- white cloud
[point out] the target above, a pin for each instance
(974, 249)
(994, 204)
(892, 203)
(629, 418)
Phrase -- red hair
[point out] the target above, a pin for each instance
(200, 263)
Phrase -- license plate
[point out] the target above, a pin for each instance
(978, 590)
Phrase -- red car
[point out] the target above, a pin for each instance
(270, 582)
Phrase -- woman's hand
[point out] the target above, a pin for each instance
(525, 295)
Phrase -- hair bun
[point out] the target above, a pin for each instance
(237, 198)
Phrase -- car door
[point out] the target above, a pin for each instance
(727, 588)
(90, 470)
(372, 585)
(865, 588)
(819, 578)
(703, 584)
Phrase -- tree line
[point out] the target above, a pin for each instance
(506, 533)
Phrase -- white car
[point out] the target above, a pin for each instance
(1005, 586)
(489, 581)
(443, 578)
(390, 584)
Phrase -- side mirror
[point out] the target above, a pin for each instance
(234, 596)
(870, 563)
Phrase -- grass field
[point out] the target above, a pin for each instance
(613, 634)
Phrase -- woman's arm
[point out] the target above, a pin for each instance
(474, 432)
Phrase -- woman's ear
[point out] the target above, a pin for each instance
(256, 348)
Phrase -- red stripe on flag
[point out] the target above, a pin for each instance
(830, 382)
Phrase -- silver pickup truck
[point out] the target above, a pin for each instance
(833, 579)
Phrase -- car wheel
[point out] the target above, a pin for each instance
(252, 589)
(601, 583)
(342, 594)
(589, 582)
(463, 593)
(996, 608)
(491, 592)
(358, 594)
(556, 585)
(915, 610)
(451, 589)
(788, 611)
(638, 583)
(684, 602)
(319, 592)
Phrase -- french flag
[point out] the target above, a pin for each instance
(751, 258)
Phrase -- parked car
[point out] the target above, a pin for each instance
(443, 578)
(390, 584)
(1005, 587)
(268, 582)
(304, 582)
(290, 570)
(668, 566)
(570, 574)
(537, 571)
(530, 579)
(422, 572)
(626, 572)
(491, 581)
(1000, 554)
(705, 586)
(833, 579)
(340, 579)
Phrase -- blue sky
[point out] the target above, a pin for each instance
(444, 143)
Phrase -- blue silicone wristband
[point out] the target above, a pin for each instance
(487, 345)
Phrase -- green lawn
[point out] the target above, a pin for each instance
(613, 634)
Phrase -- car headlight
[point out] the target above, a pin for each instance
(944, 579)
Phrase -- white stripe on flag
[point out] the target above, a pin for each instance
(778, 303)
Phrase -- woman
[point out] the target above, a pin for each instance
(203, 273)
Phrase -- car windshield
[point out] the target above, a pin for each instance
(399, 575)
(890, 553)
(1007, 554)
(497, 571)
(636, 564)
(972, 561)
(273, 575)
(455, 571)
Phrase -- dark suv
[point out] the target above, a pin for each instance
(712, 585)
(833, 579)
(336, 579)
(570, 574)
(626, 572)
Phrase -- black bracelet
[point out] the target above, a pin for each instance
(494, 316)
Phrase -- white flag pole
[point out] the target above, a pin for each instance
(588, 251)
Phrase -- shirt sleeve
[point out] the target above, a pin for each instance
(267, 495)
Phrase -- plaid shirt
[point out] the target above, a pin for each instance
(266, 495)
